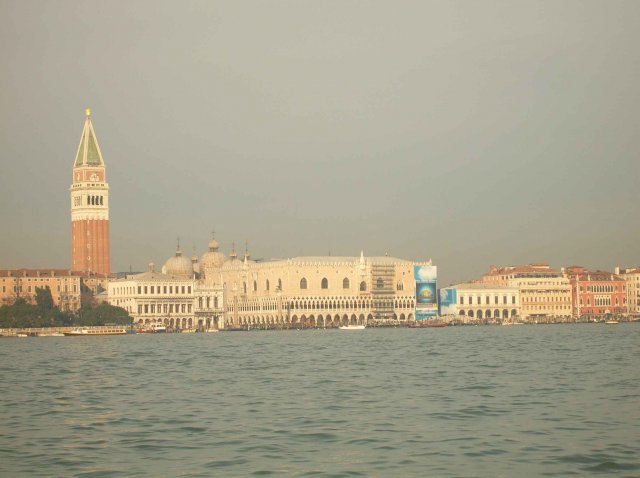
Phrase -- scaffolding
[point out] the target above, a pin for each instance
(382, 292)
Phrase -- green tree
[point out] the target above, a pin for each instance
(102, 315)
(44, 298)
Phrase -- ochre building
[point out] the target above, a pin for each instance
(544, 292)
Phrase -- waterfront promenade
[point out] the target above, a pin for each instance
(445, 320)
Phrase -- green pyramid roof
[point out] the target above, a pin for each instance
(88, 150)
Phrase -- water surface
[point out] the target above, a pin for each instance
(461, 401)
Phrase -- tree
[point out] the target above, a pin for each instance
(104, 314)
(44, 298)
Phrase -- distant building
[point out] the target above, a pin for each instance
(176, 301)
(66, 286)
(544, 292)
(89, 195)
(631, 277)
(477, 300)
(321, 291)
(597, 293)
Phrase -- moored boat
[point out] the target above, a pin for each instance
(352, 327)
(84, 331)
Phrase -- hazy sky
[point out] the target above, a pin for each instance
(472, 133)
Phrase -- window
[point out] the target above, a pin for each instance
(303, 283)
(363, 286)
(324, 284)
(380, 284)
(267, 284)
(280, 284)
(461, 300)
(345, 283)
(400, 286)
(255, 286)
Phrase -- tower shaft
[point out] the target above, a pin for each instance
(89, 194)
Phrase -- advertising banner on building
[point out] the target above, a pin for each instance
(448, 301)
(426, 291)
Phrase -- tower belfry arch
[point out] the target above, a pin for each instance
(89, 194)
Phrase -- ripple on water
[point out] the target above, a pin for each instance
(471, 401)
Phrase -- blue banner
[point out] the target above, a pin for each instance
(426, 291)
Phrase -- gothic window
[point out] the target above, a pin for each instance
(280, 284)
(363, 286)
(303, 283)
(400, 286)
(255, 286)
(345, 283)
(380, 284)
(267, 284)
(324, 284)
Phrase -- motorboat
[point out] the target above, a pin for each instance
(84, 331)
(352, 327)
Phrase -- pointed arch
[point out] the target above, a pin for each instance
(324, 284)
(303, 283)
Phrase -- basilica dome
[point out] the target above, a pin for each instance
(211, 260)
(178, 265)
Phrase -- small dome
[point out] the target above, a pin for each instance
(213, 245)
(178, 265)
(210, 262)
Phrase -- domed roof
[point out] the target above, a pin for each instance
(178, 265)
(211, 260)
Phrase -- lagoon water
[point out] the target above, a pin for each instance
(460, 401)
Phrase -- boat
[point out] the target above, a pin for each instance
(427, 326)
(611, 322)
(158, 328)
(78, 331)
(50, 334)
(352, 327)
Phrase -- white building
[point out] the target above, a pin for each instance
(487, 301)
(172, 300)
(631, 277)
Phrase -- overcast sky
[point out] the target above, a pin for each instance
(472, 133)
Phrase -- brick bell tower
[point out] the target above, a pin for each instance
(89, 206)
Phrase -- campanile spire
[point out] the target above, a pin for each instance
(89, 193)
